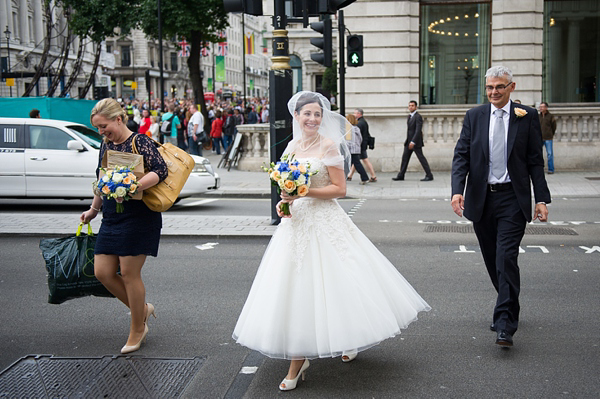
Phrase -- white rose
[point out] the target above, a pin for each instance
(117, 177)
(301, 180)
(284, 175)
(105, 178)
(121, 191)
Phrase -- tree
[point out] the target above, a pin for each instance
(198, 21)
(98, 19)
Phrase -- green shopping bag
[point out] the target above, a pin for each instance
(70, 266)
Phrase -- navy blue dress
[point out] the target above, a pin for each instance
(136, 231)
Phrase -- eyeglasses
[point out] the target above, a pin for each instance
(499, 88)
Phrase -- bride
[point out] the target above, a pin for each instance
(322, 288)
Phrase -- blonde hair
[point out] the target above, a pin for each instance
(352, 119)
(110, 109)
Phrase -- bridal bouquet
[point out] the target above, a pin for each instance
(119, 184)
(291, 176)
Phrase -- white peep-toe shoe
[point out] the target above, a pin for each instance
(348, 356)
(288, 385)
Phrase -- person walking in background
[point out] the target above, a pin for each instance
(264, 115)
(228, 129)
(366, 136)
(355, 150)
(195, 127)
(498, 155)
(154, 128)
(34, 113)
(548, 125)
(175, 124)
(126, 239)
(414, 142)
(216, 132)
(145, 123)
(181, 130)
(252, 116)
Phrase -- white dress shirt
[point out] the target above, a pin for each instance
(506, 118)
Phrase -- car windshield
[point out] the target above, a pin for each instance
(88, 135)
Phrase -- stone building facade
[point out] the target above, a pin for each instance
(436, 52)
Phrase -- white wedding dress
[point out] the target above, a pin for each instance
(323, 288)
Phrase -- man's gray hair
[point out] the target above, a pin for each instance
(360, 111)
(499, 72)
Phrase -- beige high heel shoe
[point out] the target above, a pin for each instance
(149, 311)
(133, 348)
(288, 385)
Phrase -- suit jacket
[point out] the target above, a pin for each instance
(414, 131)
(525, 161)
(364, 131)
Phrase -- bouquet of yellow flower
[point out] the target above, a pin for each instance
(119, 184)
(291, 176)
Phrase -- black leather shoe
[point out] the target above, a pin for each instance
(427, 178)
(397, 178)
(504, 339)
(493, 327)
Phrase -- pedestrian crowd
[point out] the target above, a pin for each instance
(182, 124)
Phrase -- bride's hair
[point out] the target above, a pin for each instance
(306, 99)
(335, 130)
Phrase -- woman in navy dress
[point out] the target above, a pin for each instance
(125, 239)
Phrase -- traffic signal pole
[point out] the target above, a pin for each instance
(342, 62)
(280, 92)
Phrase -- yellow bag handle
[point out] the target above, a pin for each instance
(80, 227)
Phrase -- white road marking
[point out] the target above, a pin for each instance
(200, 202)
(248, 370)
(208, 245)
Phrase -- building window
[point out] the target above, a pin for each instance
(296, 64)
(125, 56)
(108, 49)
(571, 51)
(173, 61)
(455, 52)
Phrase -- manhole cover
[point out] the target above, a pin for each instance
(104, 377)
(535, 230)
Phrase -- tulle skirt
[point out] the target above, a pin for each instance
(323, 288)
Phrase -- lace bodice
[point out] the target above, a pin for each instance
(323, 218)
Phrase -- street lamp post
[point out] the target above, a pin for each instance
(7, 34)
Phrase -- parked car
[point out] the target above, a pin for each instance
(44, 158)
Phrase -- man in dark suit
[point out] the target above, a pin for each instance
(499, 153)
(414, 142)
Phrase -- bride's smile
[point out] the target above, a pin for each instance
(309, 118)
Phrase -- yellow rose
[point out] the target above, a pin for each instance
(132, 188)
(105, 190)
(131, 176)
(520, 112)
(302, 168)
(293, 167)
(303, 190)
(289, 186)
(127, 180)
(275, 175)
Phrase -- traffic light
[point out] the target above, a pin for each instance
(325, 42)
(100, 92)
(252, 7)
(331, 6)
(355, 50)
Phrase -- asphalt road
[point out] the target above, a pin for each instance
(199, 288)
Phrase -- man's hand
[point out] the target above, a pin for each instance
(541, 212)
(411, 145)
(458, 204)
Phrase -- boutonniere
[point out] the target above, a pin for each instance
(520, 112)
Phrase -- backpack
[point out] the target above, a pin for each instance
(165, 128)
(161, 197)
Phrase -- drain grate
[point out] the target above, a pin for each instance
(534, 230)
(45, 376)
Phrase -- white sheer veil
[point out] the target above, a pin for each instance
(331, 146)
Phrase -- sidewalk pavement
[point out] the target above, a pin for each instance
(242, 184)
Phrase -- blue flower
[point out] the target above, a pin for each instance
(283, 167)
(296, 174)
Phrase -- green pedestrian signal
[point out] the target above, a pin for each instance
(355, 50)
